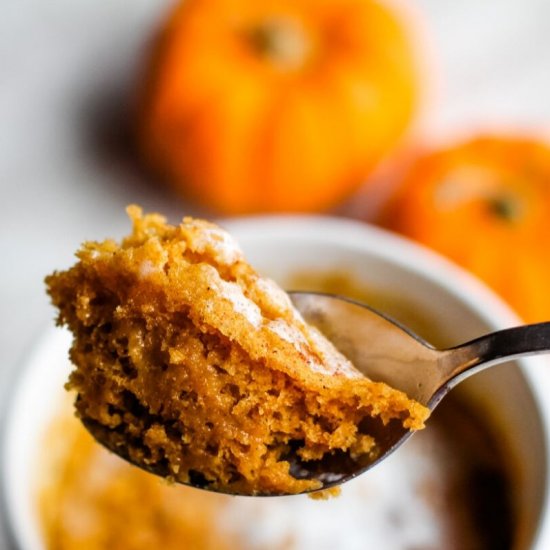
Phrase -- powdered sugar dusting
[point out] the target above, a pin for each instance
(333, 360)
(212, 239)
(234, 293)
(294, 336)
(324, 358)
(146, 269)
(287, 332)
(278, 297)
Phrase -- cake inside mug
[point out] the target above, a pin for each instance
(194, 367)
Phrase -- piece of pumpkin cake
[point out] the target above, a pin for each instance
(192, 366)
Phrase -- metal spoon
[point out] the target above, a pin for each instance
(386, 351)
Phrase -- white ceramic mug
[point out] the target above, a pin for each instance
(515, 395)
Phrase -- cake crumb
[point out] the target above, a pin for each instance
(191, 365)
(325, 494)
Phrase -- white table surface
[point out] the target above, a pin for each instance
(66, 66)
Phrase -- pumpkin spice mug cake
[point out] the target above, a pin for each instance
(192, 366)
(492, 457)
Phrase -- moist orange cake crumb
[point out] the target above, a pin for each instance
(191, 365)
(89, 499)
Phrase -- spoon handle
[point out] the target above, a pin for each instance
(462, 361)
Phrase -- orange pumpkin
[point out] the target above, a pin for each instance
(485, 204)
(275, 105)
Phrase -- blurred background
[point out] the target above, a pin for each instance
(307, 109)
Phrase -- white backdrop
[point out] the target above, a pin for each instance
(66, 66)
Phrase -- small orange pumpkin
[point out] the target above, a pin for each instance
(485, 203)
(276, 105)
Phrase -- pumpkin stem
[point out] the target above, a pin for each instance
(505, 207)
(281, 40)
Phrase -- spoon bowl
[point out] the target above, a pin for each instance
(386, 351)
